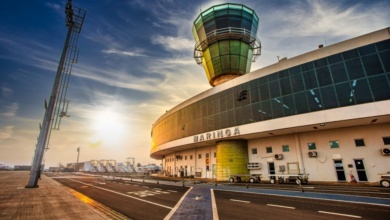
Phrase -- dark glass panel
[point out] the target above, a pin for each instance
(254, 83)
(329, 99)
(307, 66)
(255, 94)
(222, 103)
(372, 65)
(265, 110)
(221, 23)
(230, 101)
(339, 74)
(274, 89)
(264, 93)
(204, 109)
(230, 118)
(310, 80)
(263, 80)
(361, 91)
(320, 63)
(355, 69)
(369, 49)
(285, 86)
(314, 100)
(335, 58)
(247, 114)
(217, 122)
(380, 87)
(295, 70)
(239, 116)
(297, 83)
(350, 54)
(301, 103)
(385, 57)
(235, 22)
(345, 94)
(210, 108)
(272, 77)
(257, 115)
(384, 45)
(277, 108)
(224, 119)
(217, 108)
(288, 105)
(324, 77)
(246, 24)
(283, 74)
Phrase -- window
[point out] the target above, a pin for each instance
(190, 157)
(334, 144)
(386, 140)
(215, 154)
(207, 155)
(286, 148)
(269, 150)
(199, 156)
(185, 157)
(312, 146)
(359, 143)
(254, 150)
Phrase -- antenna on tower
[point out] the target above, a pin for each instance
(58, 105)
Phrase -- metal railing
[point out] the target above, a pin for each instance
(241, 34)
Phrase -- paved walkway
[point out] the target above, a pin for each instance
(49, 201)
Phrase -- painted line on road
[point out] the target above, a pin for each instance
(281, 206)
(170, 214)
(304, 197)
(214, 205)
(236, 200)
(340, 214)
(108, 190)
(172, 191)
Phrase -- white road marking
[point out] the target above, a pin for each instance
(281, 206)
(172, 191)
(146, 186)
(235, 200)
(153, 203)
(340, 214)
(170, 214)
(214, 205)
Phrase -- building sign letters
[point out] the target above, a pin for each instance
(216, 134)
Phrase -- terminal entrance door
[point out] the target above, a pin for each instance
(338, 164)
(361, 171)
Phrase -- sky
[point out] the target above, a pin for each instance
(136, 62)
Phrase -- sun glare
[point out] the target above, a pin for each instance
(109, 127)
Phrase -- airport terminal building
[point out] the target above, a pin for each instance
(325, 113)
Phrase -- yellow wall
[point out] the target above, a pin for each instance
(232, 158)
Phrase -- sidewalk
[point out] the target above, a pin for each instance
(50, 201)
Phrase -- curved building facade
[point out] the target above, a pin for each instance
(325, 113)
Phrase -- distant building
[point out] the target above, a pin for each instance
(325, 112)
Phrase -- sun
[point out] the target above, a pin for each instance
(108, 126)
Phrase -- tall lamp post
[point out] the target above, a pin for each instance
(57, 104)
(77, 163)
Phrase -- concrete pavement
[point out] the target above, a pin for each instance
(50, 201)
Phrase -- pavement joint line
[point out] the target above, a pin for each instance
(304, 197)
(153, 203)
(170, 214)
(236, 200)
(281, 206)
(214, 205)
(340, 214)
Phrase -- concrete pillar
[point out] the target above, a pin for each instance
(299, 154)
(232, 158)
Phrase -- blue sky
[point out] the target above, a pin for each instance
(135, 63)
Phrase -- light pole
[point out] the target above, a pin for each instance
(77, 163)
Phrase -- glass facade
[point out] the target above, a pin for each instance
(353, 77)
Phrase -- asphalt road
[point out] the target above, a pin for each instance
(234, 205)
(135, 200)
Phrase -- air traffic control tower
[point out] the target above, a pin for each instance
(226, 45)
(226, 42)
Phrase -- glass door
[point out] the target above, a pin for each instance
(361, 171)
(338, 164)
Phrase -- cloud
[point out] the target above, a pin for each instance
(123, 53)
(53, 5)
(6, 132)
(10, 110)
(173, 43)
(5, 91)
